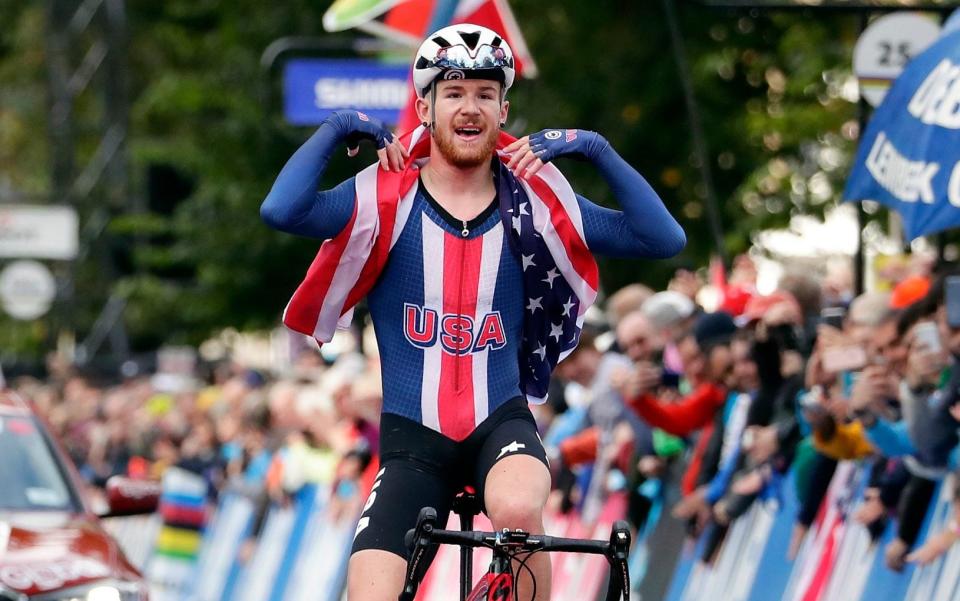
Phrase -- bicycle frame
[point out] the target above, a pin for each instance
(496, 585)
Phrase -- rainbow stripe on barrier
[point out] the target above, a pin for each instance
(183, 504)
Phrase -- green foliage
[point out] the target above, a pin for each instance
(769, 88)
(767, 92)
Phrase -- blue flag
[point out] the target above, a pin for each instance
(909, 157)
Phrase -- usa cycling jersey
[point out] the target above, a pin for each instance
(448, 309)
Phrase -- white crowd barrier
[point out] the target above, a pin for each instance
(301, 553)
(837, 560)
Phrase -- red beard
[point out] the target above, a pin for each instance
(465, 157)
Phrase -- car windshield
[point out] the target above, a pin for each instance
(31, 477)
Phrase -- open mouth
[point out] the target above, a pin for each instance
(467, 132)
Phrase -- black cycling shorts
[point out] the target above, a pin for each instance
(422, 468)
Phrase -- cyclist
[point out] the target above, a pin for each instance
(475, 257)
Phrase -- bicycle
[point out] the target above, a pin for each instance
(507, 545)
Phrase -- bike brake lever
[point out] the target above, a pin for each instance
(619, 560)
(418, 541)
(620, 538)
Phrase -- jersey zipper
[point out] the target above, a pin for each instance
(459, 359)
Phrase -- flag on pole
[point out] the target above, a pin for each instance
(406, 22)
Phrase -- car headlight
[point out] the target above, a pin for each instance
(112, 590)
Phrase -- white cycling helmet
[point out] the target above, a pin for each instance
(463, 51)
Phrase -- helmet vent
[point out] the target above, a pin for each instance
(471, 38)
(440, 41)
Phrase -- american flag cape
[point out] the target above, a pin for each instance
(560, 274)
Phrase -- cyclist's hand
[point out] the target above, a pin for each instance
(355, 126)
(530, 153)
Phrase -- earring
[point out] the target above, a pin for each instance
(502, 123)
(425, 124)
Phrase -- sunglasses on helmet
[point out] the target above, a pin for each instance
(459, 57)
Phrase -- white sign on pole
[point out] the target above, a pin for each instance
(38, 232)
(27, 289)
(885, 48)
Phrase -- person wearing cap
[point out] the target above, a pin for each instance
(671, 313)
(476, 257)
(908, 291)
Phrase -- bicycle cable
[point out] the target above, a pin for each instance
(516, 575)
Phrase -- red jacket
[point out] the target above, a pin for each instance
(691, 413)
(695, 411)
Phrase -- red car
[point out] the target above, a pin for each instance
(52, 545)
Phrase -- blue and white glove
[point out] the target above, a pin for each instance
(582, 144)
(531, 152)
(354, 126)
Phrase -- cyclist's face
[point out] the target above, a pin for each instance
(467, 115)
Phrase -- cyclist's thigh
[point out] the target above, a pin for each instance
(514, 435)
(403, 487)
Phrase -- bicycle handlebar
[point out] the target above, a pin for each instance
(425, 538)
(533, 542)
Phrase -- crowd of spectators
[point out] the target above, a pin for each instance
(662, 393)
(800, 378)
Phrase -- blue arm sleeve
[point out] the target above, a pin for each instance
(891, 439)
(718, 485)
(643, 229)
(294, 205)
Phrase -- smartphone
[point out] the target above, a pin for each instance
(928, 336)
(833, 317)
(669, 379)
(952, 300)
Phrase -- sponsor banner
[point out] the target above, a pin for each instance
(314, 87)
